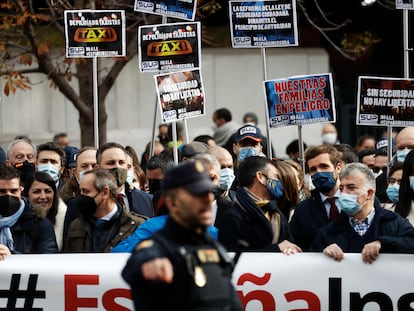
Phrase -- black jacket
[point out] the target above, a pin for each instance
(245, 222)
(33, 233)
(309, 216)
(395, 233)
(190, 253)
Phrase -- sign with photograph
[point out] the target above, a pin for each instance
(300, 100)
(385, 101)
(180, 95)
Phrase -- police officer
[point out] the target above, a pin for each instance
(181, 267)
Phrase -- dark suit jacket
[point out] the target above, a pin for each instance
(310, 215)
(223, 205)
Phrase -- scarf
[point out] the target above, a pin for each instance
(6, 237)
(265, 213)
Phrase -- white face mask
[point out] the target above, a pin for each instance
(329, 138)
(130, 177)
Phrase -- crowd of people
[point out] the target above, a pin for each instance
(225, 192)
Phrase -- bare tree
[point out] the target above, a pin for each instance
(32, 37)
(28, 35)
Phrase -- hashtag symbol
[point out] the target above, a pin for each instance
(29, 295)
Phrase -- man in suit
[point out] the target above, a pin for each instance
(324, 164)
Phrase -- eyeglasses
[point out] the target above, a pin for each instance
(392, 180)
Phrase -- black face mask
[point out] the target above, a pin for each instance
(154, 185)
(9, 205)
(25, 170)
(86, 205)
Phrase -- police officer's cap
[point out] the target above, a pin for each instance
(190, 175)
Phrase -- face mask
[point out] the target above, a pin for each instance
(130, 177)
(52, 170)
(80, 176)
(348, 204)
(275, 188)
(226, 178)
(411, 178)
(401, 154)
(120, 175)
(154, 185)
(9, 205)
(329, 138)
(393, 192)
(25, 169)
(376, 174)
(246, 152)
(86, 205)
(324, 181)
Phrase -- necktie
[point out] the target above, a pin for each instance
(333, 211)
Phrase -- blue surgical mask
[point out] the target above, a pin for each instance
(348, 204)
(324, 181)
(411, 182)
(80, 176)
(52, 170)
(275, 188)
(130, 177)
(226, 178)
(393, 192)
(246, 152)
(401, 154)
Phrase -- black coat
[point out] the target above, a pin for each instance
(395, 233)
(33, 233)
(245, 222)
(190, 253)
(309, 216)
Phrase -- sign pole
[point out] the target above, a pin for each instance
(301, 150)
(269, 139)
(95, 102)
(154, 125)
(175, 146)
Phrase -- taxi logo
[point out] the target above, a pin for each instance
(167, 48)
(97, 34)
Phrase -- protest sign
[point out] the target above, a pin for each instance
(180, 95)
(385, 101)
(169, 47)
(404, 4)
(307, 281)
(261, 24)
(300, 100)
(182, 9)
(95, 33)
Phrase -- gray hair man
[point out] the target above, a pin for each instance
(363, 225)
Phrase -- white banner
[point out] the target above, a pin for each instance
(264, 281)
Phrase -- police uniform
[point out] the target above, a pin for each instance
(201, 267)
(202, 273)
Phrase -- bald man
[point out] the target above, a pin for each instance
(405, 143)
(226, 168)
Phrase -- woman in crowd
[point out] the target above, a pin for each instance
(300, 179)
(290, 197)
(406, 193)
(136, 176)
(41, 190)
(393, 186)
